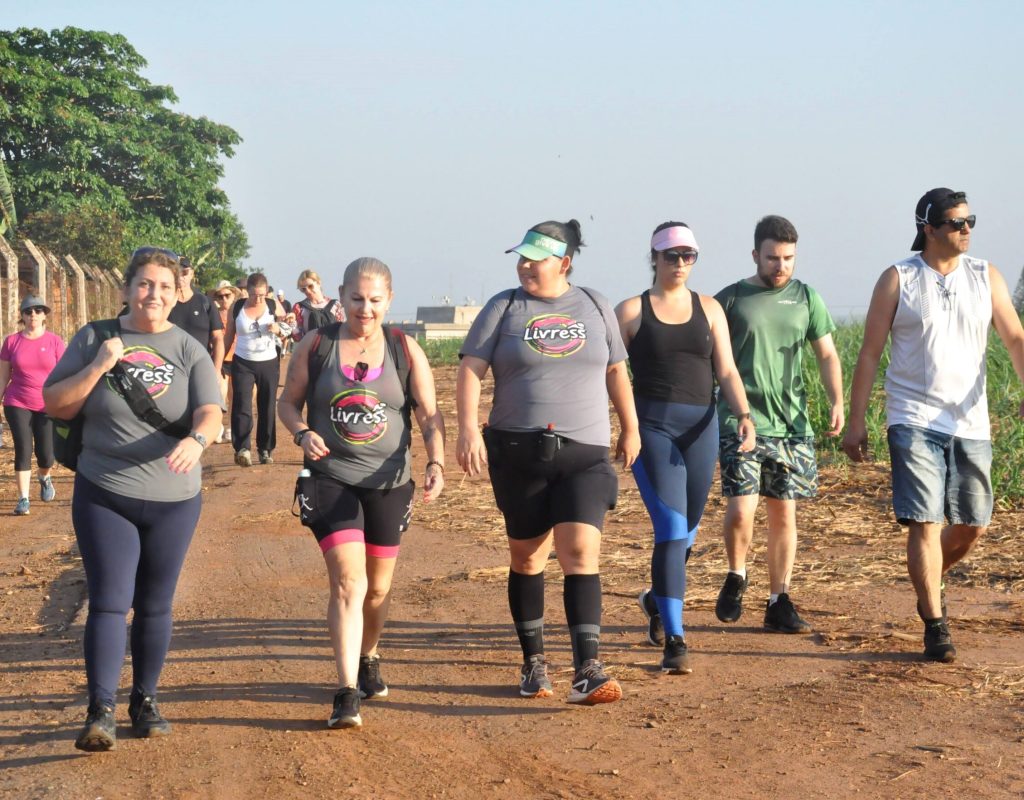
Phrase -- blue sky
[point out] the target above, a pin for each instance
(432, 135)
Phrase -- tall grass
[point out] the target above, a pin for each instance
(1004, 397)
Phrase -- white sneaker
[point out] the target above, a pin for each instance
(220, 436)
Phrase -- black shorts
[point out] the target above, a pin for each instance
(337, 513)
(578, 484)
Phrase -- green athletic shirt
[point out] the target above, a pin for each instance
(768, 328)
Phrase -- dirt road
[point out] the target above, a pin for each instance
(847, 711)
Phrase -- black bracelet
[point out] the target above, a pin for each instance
(437, 464)
(297, 438)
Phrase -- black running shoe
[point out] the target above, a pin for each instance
(729, 607)
(592, 685)
(533, 678)
(676, 661)
(100, 731)
(938, 644)
(781, 617)
(346, 709)
(146, 718)
(655, 630)
(370, 682)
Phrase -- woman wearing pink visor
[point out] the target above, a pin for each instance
(678, 343)
(556, 355)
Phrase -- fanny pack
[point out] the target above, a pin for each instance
(524, 445)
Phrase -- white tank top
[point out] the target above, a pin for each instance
(936, 375)
(253, 339)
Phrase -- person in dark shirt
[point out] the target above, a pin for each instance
(196, 314)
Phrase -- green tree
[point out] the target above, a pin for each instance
(85, 135)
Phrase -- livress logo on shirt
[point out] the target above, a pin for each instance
(148, 367)
(555, 335)
(359, 416)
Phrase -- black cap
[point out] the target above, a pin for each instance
(930, 210)
(184, 262)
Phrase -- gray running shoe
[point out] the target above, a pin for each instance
(781, 617)
(533, 678)
(46, 491)
(22, 509)
(346, 709)
(655, 630)
(370, 682)
(592, 685)
(100, 731)
(265, 457)
(243, 458)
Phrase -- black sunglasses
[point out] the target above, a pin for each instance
(672, 256)
(223, 296)
(959, 222)
(359, 373)
(34, 310)
(142, 252)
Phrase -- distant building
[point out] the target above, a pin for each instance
(440, 322)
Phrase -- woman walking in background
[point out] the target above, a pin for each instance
(361, 382)
(556, 355)
(678, 343)
(223, 297)
(137, 487)
(315, 310)
(26, 359)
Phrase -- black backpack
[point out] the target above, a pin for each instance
(271, 307)
(314, 318)
(398, 348)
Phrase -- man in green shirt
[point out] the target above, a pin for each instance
(771, 316)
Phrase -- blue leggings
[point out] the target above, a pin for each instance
(132, 551)
(679, 449)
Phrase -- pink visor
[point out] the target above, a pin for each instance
(676, 236)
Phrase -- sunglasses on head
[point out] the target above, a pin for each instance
(958, 223)
(34, 310)
(142, 252)
(672, 256)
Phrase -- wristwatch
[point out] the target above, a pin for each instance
(199, 438)
(298, 436)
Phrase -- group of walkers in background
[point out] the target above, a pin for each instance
(714, 379)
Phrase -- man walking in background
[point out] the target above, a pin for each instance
(196, 314)
(937, 306)
(771, 315)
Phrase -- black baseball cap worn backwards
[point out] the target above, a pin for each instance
(930, 210)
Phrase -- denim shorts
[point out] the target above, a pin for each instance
(777, 467)
(938, 477)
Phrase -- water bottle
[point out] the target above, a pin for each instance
(548, 443)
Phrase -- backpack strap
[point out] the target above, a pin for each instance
(398, 347)
(236, 307)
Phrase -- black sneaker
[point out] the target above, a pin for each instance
(370, 682)
(938, 644)
(729, 607)
(146, 718)
(346, 709)
(655, 630)
(100, 732)
(591, 685)
(781, 617)
(676, 661)
(533, 678)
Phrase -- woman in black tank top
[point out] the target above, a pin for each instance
(678, 343)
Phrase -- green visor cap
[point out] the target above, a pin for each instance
(536, 247)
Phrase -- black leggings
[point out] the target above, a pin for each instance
(132, 551)
(28, 426)
(265, 375)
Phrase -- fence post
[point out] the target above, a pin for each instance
(8, 288)
(80, 304)
(40, 276)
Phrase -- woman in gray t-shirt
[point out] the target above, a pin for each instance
(557, 356)
(137, 489)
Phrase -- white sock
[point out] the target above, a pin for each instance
(741, 572)
(772, 598)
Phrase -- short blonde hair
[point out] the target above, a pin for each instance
(307, 275)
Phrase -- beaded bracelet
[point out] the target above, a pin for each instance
(437, 464)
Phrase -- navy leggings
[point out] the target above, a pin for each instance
(132, 551)
(679, 449)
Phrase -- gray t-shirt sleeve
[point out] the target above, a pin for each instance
(485, 331)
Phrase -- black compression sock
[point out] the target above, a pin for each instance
(582, 597)
(526, 602)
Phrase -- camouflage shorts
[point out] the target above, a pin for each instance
(781, 468)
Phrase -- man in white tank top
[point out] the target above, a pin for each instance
(937, 307)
